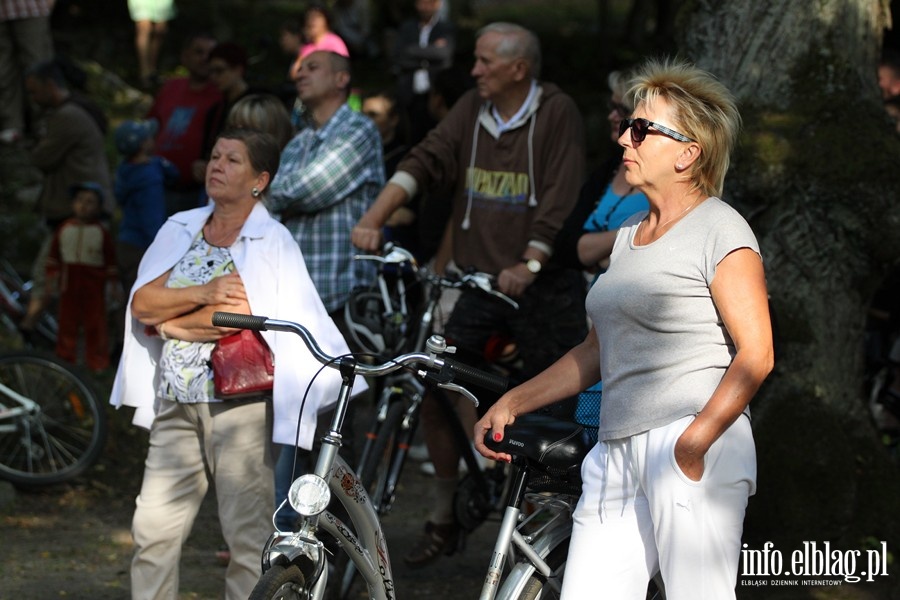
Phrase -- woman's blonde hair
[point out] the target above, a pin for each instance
(703, 108)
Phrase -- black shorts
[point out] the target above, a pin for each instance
(550, 321)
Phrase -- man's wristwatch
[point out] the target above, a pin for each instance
(533, 265)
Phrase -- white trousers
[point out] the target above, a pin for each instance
(191, 446)
(639, 514)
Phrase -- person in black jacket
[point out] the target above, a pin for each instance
(425, 45)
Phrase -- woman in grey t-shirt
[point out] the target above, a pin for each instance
(682, 315)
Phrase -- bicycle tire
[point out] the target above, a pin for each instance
(65, 437)
(280, 582)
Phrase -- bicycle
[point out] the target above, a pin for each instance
(52, 422)
(294, 563)
(384, 324)
(396, 414)
(15, 293)
(546, 471)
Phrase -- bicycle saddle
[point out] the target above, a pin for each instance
(543, 439)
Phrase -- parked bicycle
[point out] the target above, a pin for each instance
(52, 422)
(15, 293)
(396, 414)
(294, 563)
(384, 321)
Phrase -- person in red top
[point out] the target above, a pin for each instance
(80, 265)
(181, 107)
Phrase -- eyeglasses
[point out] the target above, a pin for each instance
(640, 127)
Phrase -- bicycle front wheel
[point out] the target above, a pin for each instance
(280, 582)
(62, 436)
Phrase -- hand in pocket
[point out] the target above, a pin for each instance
(688, 458)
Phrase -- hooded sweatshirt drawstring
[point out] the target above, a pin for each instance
(532, 199)
(469, 185)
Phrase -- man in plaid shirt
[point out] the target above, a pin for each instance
(329, 175)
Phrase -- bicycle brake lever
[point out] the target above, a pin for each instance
(439, 380)
(485, 283)
(452, 387)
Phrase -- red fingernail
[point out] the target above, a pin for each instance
(497, 437)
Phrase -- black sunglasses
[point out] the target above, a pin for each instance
(640, 127)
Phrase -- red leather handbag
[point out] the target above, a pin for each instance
(243, 366)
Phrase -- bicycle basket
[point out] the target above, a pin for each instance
(587, 411)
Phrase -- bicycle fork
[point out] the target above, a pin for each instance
(304, 549)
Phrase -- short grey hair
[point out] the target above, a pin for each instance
(619, 83)
(517, 42)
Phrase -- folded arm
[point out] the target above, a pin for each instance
(154, 303)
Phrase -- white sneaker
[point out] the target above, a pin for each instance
(427, 468)
(418, 452)
(8, 136)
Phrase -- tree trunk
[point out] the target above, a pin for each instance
(816, 175)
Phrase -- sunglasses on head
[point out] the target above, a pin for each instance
(639, 128)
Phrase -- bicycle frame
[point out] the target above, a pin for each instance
(14, 294)
(535, 548)
(26, 406)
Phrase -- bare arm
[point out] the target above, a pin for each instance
(739, 292)
(367, 235)
(595, 247)
(575, 371)
(154, 303)
(197, 326)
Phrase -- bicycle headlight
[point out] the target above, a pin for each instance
(309, 495)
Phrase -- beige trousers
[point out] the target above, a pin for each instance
(191, 446)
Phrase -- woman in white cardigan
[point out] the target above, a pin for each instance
(228, 256)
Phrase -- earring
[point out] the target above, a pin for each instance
(679, 167)
(255, 192)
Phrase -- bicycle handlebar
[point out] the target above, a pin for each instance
(449, 369)
(395, 255)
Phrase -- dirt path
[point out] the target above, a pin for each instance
(74, 541)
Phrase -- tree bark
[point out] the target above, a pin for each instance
(816, 175)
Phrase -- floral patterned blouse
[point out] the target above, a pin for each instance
(185, 372)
